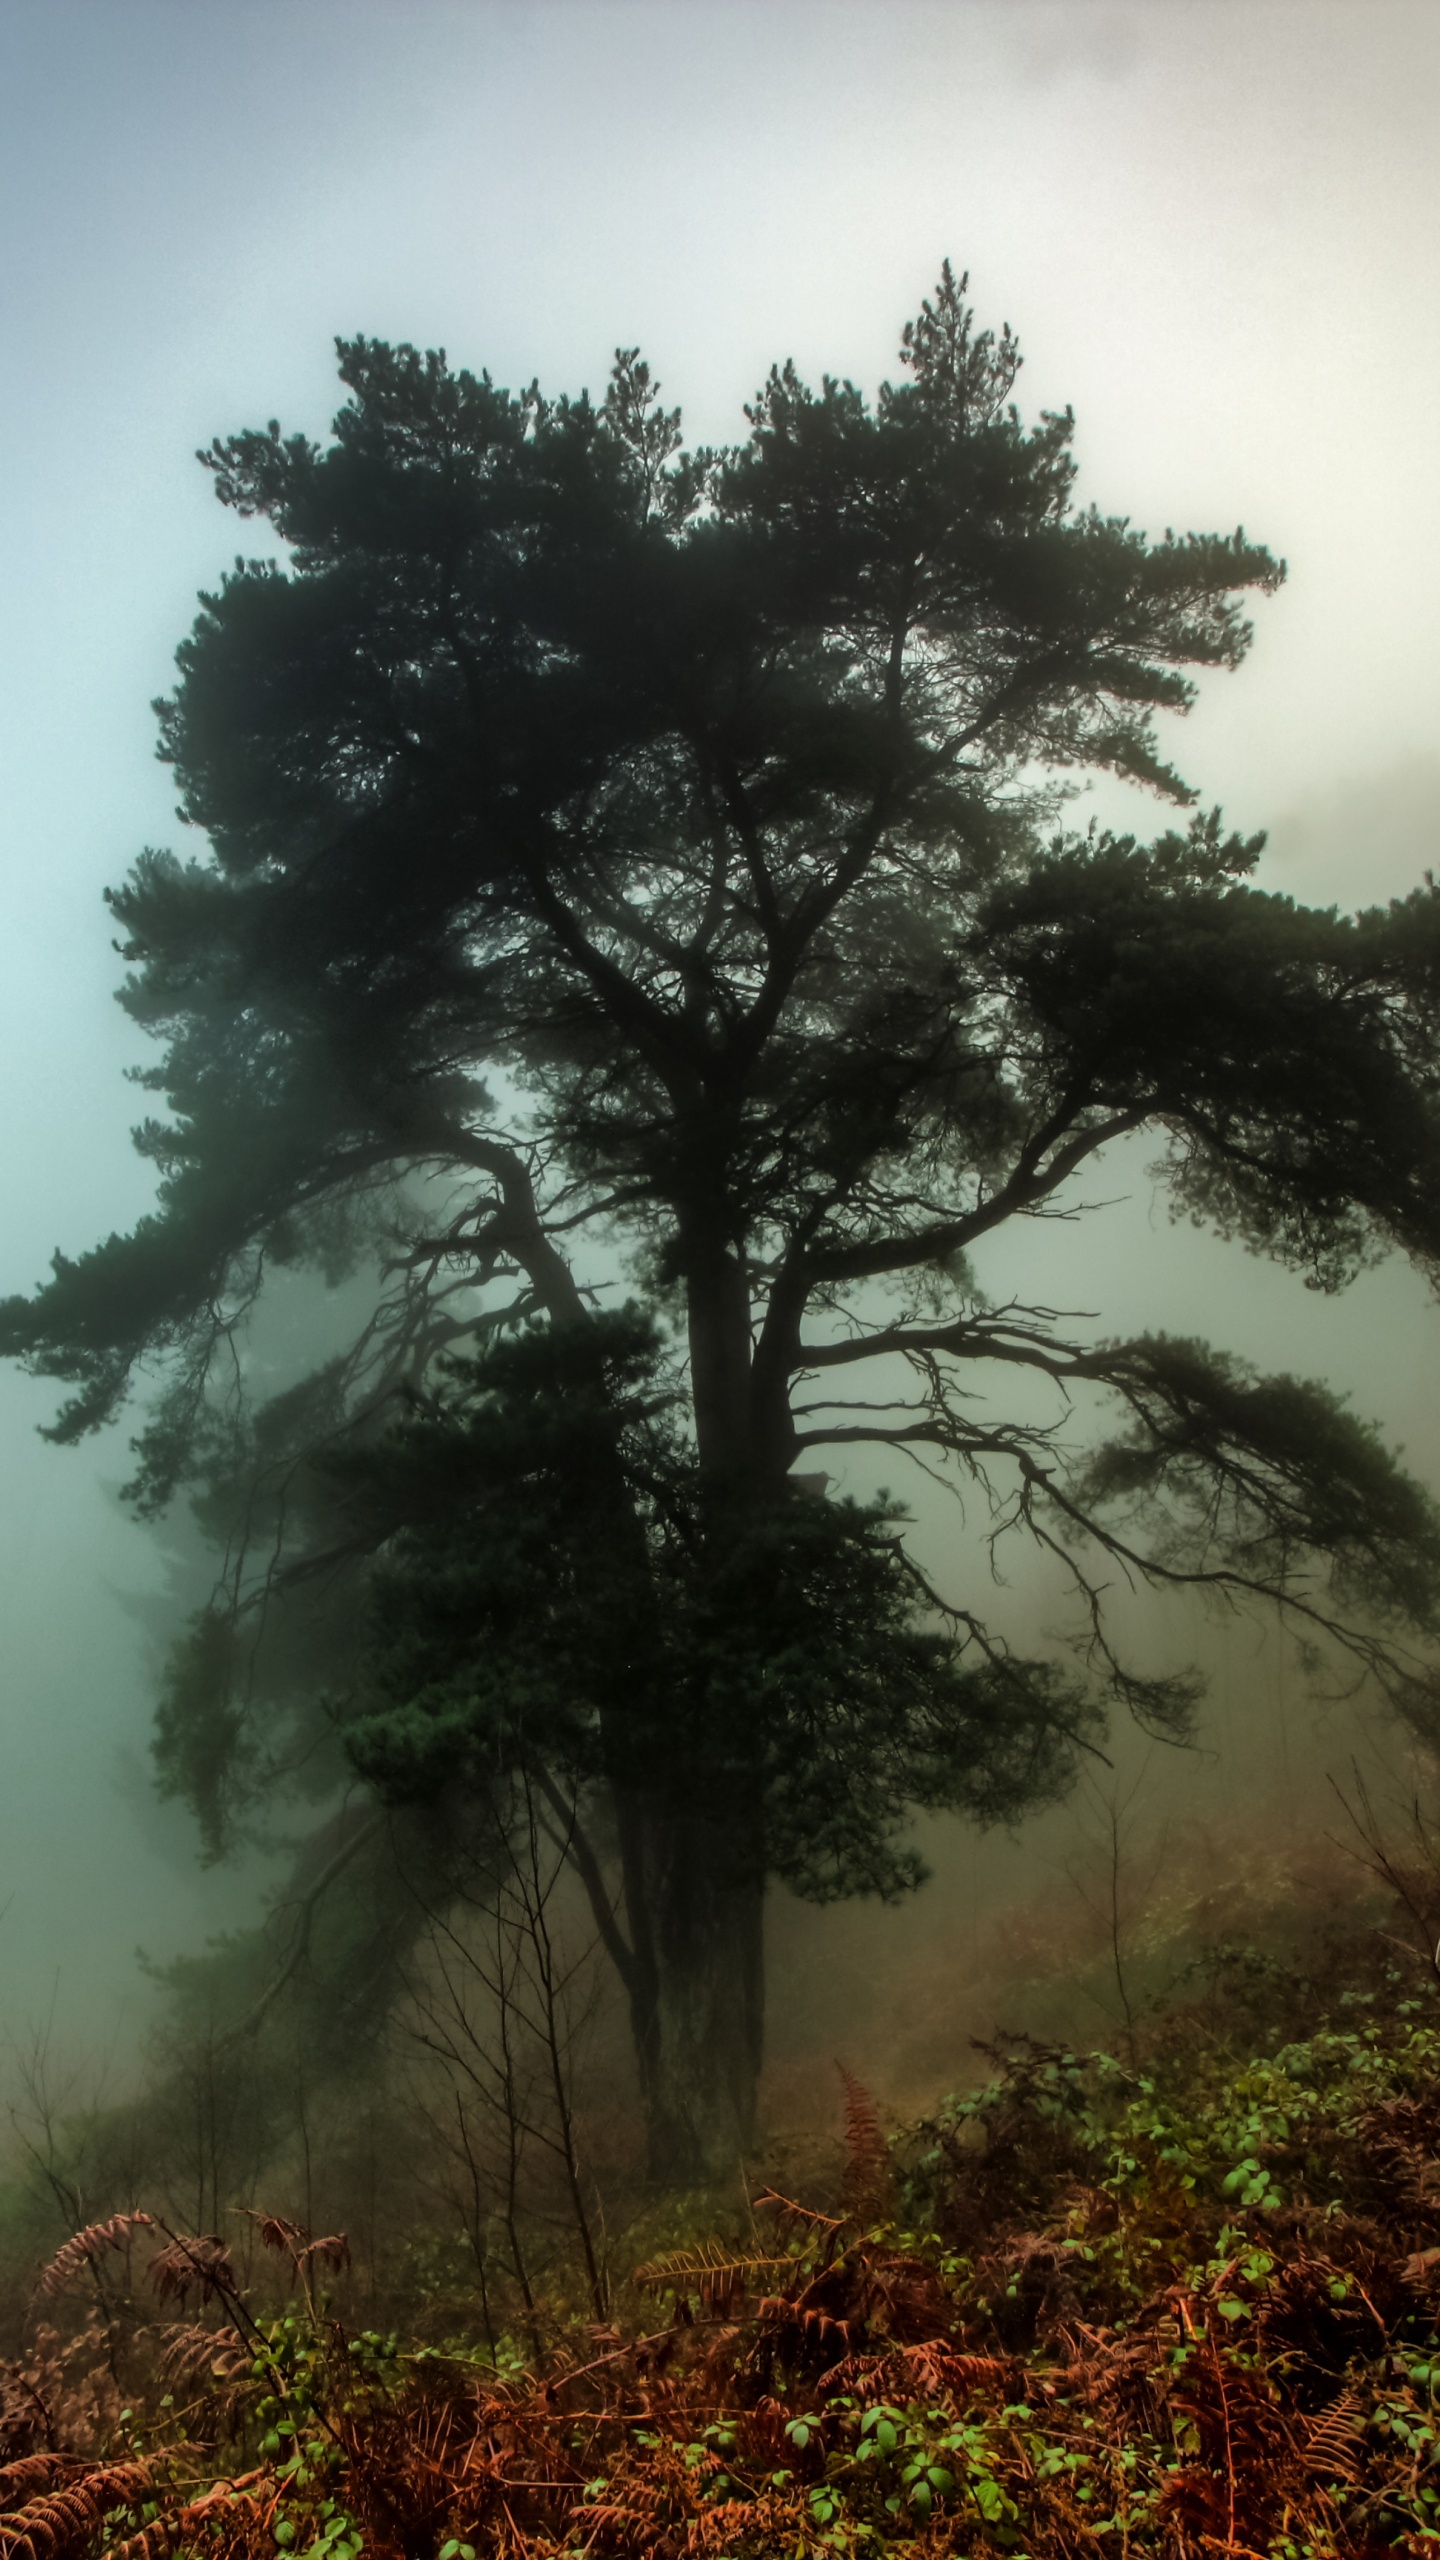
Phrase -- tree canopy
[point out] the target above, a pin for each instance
(639, 932)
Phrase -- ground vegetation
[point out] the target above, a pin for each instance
(1176, 2299)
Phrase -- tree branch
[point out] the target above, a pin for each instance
(966, 1338)
(574, 1844)
(869, 1258)
(306, 1904)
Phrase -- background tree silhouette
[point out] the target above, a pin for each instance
(634, 875)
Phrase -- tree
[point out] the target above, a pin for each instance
(708, 805)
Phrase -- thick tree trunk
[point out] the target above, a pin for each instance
(695, 1901)
(718, 1309)
(693, 1866)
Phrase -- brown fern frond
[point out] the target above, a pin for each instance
(1401, 2140)
(1246, 2455)
(868, 2184)
(804, 2216)
(62, 2398)
(152, 2541)
(191, 2524)
(200, 2263)
(716, 2274)
(333, 2250)
(67, 2519)
(1332, 2446)
(817, 2330)
(32, 2471)
(926, 2371)
(278, 2232)
(192, 2353)
(83, 2249)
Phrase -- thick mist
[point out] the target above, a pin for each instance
(1215, 234)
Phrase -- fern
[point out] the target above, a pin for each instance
(1332, 2448)
(293, 2241)
(804, 2219)
(277, 2231)
(195, 2355)
(718, 2275)
(200, 2265)
(226, 2504)
(332, 2249)
(67, 2519)
(868, 2187)
(82, 2251)
(32, 2471)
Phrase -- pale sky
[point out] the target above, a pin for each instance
(1215, 225)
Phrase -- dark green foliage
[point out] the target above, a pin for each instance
(1290, 1054)
(1252, 1469)
(199, 1727)
(513, 1626)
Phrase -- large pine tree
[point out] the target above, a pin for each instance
(635, 933)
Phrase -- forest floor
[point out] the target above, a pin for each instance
(1176, 2298)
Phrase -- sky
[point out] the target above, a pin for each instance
(1215, 225)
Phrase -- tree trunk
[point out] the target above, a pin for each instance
(693, 1861)
(695, 1899)
(717, 1294)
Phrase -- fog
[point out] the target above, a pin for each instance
(1216, 229)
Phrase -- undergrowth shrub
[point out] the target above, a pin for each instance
(1177, 2303)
